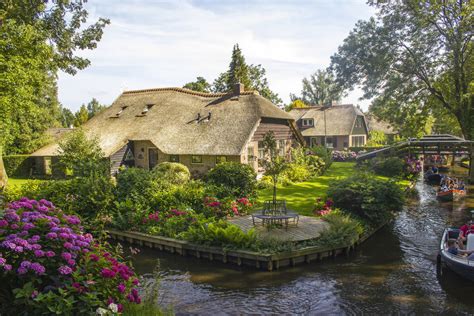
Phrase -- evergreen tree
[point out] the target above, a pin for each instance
(238, 70)
(253, 77)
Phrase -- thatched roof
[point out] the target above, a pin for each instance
(57, 132)
(375, 124)
(340, 119)
(170, 124)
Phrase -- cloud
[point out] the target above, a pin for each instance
(156, 44)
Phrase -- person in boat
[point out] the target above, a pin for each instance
(465, 230)
(453, 248)
(434, 169)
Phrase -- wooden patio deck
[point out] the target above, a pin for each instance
(308, 228)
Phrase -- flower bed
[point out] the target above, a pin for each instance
(49, 265)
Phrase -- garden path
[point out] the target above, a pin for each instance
(308, 228)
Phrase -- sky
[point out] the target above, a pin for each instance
(152, 44)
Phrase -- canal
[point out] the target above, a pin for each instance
(394, 272)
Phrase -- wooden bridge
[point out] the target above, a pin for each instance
(443, 144)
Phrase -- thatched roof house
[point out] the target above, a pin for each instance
(375, 124)
(146, 127)
(343, 126)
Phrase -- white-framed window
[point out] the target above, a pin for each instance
(307, 122)
(313, 141)
(250, 155)
(174, 158)
(261, 150)
(282, 147)
(358, 141)
(329, 142)
(196, 159)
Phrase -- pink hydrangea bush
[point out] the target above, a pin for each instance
(323, 207)
(50, 265)
(227, 207)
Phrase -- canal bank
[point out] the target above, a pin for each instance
(396, 276)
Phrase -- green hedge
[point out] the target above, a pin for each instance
(18, 165)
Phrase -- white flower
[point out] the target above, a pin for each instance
(101, 311)
(113, 307)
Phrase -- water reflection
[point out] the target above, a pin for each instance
(393, 272)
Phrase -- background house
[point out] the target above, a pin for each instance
(343, 126)
(143, 128)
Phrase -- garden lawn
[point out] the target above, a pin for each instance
(300, 197)
(14, 182)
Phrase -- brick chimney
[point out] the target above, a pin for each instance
(238, 88)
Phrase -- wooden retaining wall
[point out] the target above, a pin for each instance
(240, 257)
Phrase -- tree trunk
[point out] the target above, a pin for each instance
(3, 172)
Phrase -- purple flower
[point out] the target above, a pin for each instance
(39, 253)
(28, 226)
(121, 288)
(66, 256)
(38, 268)
(64, 270)
(107, 273)
(3, 223)
(22, 270)
(51, 235)
(14, 226)
(68, 245)
(71, 262)
(63, 235)
(50, 254)
(7, 267)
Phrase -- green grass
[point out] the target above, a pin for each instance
(14, 182)
(300, 197)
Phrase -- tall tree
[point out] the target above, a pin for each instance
(200, 85)
(67, 117)
(38, 38)
(81, 116)
(253, 77)
(320, 89)
(413, 54)
(94, 107)
(238, 69)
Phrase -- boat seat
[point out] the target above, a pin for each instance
(470, 242)
(453, 234)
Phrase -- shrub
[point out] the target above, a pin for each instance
(18, 165)
(303, 157)
(49, 266)
(136, 184)
(343, 230)
(370, 198)
(172, 172)
(297, 172)
(220, 233)
(88, 196)
(324, 153)
(82, 155)
(389, 167)
(226, 207)
(169, 223)
(343, 155)
(189, 195)
(232, 179)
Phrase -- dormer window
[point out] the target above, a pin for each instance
(307, 122)
(147, 108)
(120, 111)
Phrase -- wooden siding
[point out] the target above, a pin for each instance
(280, 128)
(116, 159)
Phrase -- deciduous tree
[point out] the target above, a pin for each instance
(413, 54)
(319, 89)
(200, 85)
